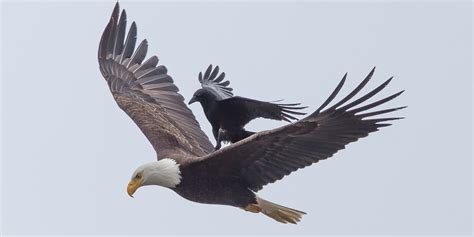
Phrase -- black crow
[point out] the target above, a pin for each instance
(228, 114)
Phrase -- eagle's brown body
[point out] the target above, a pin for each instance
(231, 175)
(208, 188)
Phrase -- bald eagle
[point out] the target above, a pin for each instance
(230, 176)
(228, 114)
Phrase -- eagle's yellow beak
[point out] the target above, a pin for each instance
(132, 187)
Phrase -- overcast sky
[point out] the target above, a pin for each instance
(68, 150)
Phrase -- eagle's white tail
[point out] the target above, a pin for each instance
(279, 213)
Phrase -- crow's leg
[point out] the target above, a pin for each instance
(220, 135)
(215, 132)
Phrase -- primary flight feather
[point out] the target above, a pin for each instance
(232, 175)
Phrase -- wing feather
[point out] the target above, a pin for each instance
(213, 82)
(139, 54)
(118, 45)
(129, 43)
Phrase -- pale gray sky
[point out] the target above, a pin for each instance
(68, 150)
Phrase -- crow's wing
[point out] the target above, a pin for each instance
(147, 93)
(268, 156)
(214, 82)
(247, 110)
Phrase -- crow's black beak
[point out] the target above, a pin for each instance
(192, 100)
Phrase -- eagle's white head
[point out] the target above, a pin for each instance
(164, 172)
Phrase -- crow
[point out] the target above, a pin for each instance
(228, 114)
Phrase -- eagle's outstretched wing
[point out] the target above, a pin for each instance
(268, 156)
(214, 82)
(147, 93)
